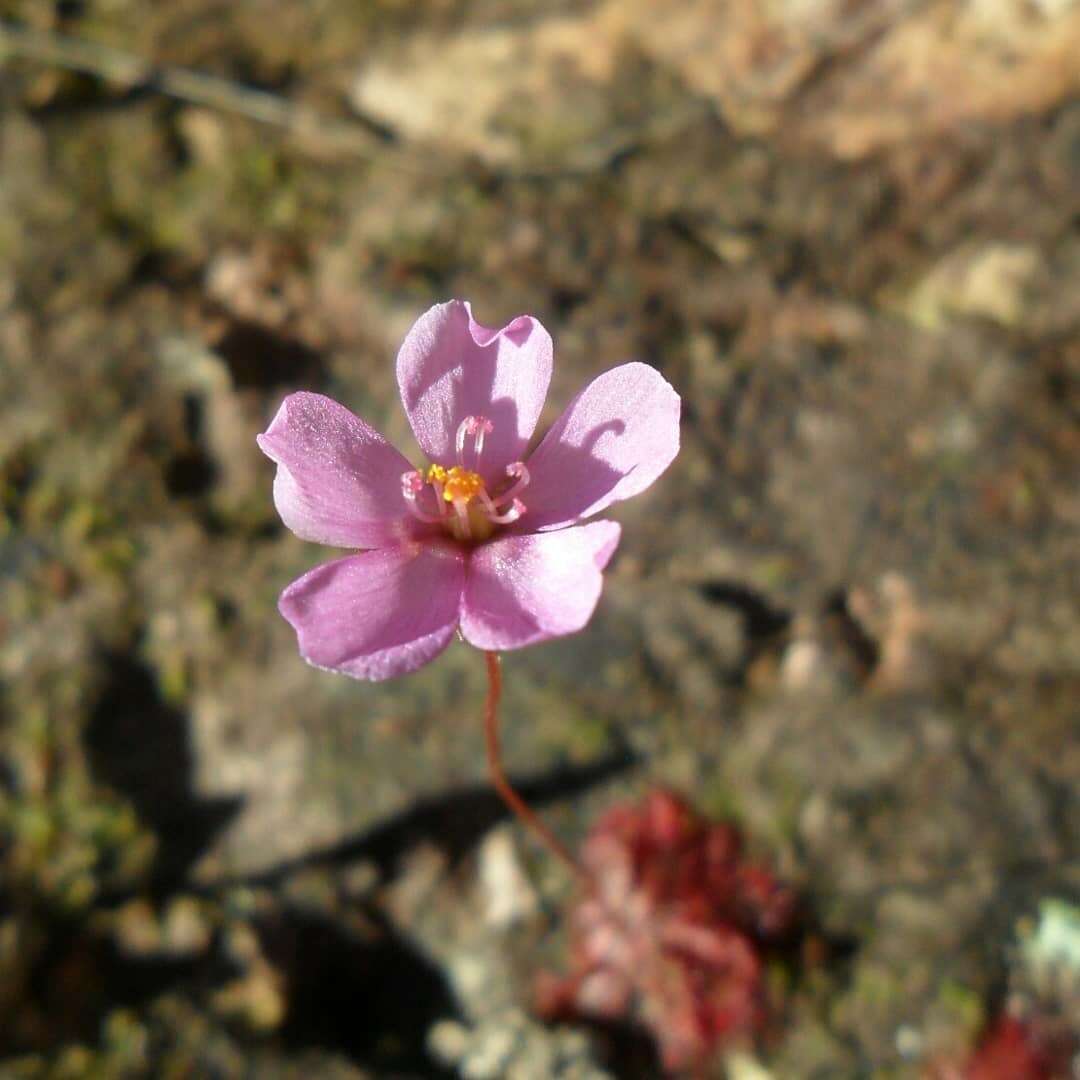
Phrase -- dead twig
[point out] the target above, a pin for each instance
(315, 129)
(193, 87)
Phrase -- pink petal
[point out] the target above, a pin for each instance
(338, 481)
(380, 613)
(612, 441)
(522, 589)
(451, 367)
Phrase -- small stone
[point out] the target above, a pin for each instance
(257, 999)
(804, 666)
(361, 879)
(1055, 942)
(184, 931)
(137, 929)
(490, 1055)
(909, 1042)
(448, 1040)
(470, 976)
(242, 944)
(745, 1067)
(509, 896)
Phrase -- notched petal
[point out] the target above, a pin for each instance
(450, 367)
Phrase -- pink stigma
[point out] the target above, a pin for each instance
(478, 428)
(517, 508)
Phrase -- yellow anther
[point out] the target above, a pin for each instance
(461, 484)
(436, 474)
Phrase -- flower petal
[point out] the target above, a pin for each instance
(612, 441)
(338, 481)
(451, 367)
(380, 613)
(521, 589)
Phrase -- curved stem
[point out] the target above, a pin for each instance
(498, 775)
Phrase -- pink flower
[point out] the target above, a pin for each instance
(484, 540)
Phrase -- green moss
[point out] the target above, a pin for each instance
(962, 1004)
(719, 800)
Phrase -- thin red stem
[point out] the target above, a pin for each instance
(498, 775)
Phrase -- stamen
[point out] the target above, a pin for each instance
(462, 484)
(436, 477)
(412, 483)
(516, 471)
(462, 501)
(505, 518)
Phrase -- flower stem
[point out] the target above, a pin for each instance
(498, 775)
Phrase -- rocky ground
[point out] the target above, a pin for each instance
(847, 618)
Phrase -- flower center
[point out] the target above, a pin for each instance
(459, 498)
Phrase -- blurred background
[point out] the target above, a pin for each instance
(846, 618)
